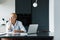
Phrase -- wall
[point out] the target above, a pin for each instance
(7, 7)
(51, 15)
(40, 14)
(57, 19)
(23, 6)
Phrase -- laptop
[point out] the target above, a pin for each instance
(32, 28)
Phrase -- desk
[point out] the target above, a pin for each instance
(38, 36)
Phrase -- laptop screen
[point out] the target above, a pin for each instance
(32, 28)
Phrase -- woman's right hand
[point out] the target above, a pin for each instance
(9, 27)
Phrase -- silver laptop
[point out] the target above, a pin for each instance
(32, 28)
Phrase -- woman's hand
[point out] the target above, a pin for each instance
(9, 27)
(18, 31)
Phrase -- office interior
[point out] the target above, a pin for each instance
(28, 14)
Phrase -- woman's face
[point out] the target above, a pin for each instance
(12, 18)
